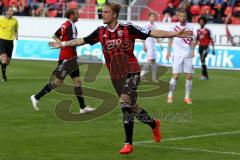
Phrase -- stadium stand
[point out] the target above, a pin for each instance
(216, 11)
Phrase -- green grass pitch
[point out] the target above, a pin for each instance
(210, 126)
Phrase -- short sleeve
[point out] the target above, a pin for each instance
(92, 38)
(16, 26)
(58, 33)
(210, 33)
(139, 32)
(63, 29)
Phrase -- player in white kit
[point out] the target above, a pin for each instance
(150, 49)
(181, 59)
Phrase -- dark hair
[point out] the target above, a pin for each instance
(116, 7)
(202, 18)
(70, 12)
(7, 8)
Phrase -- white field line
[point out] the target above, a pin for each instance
(191, 149)
(192, 137)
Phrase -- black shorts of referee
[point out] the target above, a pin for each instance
(6, 47)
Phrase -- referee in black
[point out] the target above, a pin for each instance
(8, 32)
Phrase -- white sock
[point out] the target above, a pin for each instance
(144, 69)
(172, 86)
(188, 88)
(154, 71)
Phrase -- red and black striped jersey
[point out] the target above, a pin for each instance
(204, 37)
(67, 32)
(118, 47)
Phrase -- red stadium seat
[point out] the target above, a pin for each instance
(228, 11)
(5, 2)
(217, 6)
(237, 20)
(195, 10)
(13, 2)
(204, 8)
(236, 9)
(234, 20)
(213, 12)
(51, 1)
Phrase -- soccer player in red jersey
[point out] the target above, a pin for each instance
(204, 39)
(67, 63)
(117, 42)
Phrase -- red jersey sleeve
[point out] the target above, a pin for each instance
(58, 33)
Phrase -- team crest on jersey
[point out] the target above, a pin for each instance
(120, 33)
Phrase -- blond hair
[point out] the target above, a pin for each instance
(116, 7)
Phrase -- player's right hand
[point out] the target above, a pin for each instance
(55, 44)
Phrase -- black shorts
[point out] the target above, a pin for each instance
(128, 85)
(6, 46)
(203, 51)
(67, 67)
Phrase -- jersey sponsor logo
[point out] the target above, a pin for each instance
(202, 36)
(111, 44)
(114, 42)
(118, 43)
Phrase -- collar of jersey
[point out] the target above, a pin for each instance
(113, 30)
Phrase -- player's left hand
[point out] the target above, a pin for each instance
(54, 44)
(185, 34)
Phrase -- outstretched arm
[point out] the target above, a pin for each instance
(75, 42)
(91, 39)
(169, 34)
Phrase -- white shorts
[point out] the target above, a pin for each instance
(182, 64)
(151, 54)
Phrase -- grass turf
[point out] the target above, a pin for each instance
(26, 134)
